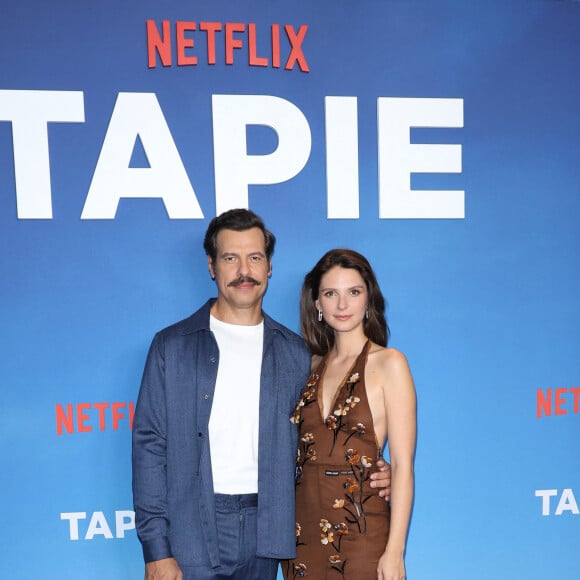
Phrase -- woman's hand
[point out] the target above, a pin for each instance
(391, 566)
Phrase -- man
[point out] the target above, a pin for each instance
(213, 448)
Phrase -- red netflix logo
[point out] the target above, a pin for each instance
(558, 401)
(235, 36)
(84, 417)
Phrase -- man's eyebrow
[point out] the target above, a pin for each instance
(255, 253)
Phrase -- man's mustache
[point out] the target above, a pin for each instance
(244, 280)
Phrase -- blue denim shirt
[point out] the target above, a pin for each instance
(172, 476)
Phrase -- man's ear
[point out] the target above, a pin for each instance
(270, 269)
(210, 267)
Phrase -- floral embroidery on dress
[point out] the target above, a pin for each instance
(298, 532)
(326, 535)
(354, 491)
(346, 433)
(306, 399)
(328, 531)
(327, 538)
(306, 452)
(300, 570)
(335, 564)
(358, 429)
(354, 378)
(336, 420)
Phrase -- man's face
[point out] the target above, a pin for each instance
(241, 268)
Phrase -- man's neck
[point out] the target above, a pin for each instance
(243, 316)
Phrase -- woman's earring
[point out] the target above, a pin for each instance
(367, 313)
(320, 316)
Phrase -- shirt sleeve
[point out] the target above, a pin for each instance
(149, 455)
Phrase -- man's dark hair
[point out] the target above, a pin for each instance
(238, 220)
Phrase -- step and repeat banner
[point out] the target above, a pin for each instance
(439, 138)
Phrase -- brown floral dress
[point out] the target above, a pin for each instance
(342, 525)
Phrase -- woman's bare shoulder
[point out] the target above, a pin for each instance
(388, 361)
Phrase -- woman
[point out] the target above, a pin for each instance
(359, 394)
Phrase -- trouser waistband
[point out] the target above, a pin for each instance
(237, 501)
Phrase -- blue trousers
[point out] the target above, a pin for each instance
(237, 535)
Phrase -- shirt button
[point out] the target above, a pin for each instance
(212, 359)
(206, 396)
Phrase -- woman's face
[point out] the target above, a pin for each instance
(342, 298)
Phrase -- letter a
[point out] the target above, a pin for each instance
(139, 115)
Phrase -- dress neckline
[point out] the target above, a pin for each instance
(321, 370)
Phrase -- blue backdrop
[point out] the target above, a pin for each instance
(119, 141)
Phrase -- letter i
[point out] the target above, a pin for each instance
(275, 46)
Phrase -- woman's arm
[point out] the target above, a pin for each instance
(400, 405)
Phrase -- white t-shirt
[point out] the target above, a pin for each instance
(233, 423)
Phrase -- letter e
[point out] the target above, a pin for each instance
(398, 158)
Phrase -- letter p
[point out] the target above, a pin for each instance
(124, 521)
(234, 168)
